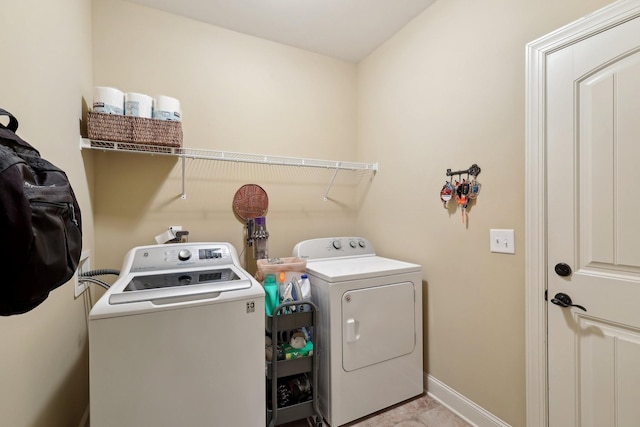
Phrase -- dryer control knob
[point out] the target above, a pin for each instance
(184, 255)
(353, 244)
(361, 243)
(337, 244)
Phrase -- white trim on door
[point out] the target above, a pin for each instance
(535, 188)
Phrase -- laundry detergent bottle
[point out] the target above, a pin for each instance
(271, 294)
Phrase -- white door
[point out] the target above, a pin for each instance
(593, 210)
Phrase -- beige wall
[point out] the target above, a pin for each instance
(446, 92)
(238, 93)
(45, 73)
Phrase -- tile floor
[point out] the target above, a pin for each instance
(422, 411)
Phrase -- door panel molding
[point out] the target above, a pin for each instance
(621, 346)
(535, 192)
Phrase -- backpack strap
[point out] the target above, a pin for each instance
(13, 122)
(9, 138)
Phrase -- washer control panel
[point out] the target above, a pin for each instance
(332, 247)
(180, 255)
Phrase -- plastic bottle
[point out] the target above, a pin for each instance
(305, 291)
(305, 287)
(282, 286)
(271, 294)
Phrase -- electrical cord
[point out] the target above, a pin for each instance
(87, 276)
(83, 279)
(102, 272)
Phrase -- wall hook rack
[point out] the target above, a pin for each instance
(462, 192)
(474, 170)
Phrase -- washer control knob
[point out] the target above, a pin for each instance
(353, 244)
(336, 244)
(184, 255)
(361, 243)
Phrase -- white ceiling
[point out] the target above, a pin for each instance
(343, 29)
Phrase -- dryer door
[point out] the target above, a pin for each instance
(378, 324)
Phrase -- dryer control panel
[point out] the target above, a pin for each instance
(333, 247)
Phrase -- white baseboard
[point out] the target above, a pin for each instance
(84, 421)
(471, 412)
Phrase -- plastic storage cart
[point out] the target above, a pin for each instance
(295, 370)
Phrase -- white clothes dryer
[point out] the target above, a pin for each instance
(178, 340)
(370, 329)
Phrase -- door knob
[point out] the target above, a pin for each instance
(563, 269)
(564, 300)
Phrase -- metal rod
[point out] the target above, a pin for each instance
(326, 194)
(184, 191)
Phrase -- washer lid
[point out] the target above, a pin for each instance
(342, 269)
(172, 284)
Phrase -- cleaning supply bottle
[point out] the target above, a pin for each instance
(271, 300)
(305, 291)
(305, 287)
(282, 286)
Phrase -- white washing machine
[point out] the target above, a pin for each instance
(370, 330)
(178, 340)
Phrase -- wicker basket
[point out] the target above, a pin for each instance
(135, 130)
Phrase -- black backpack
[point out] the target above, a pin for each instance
(40, 224)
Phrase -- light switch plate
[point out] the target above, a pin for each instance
(502, 241)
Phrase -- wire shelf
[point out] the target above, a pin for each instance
(227, 156)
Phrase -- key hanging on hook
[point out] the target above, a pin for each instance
(446, 193)
(474, 188)
(462, 197)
